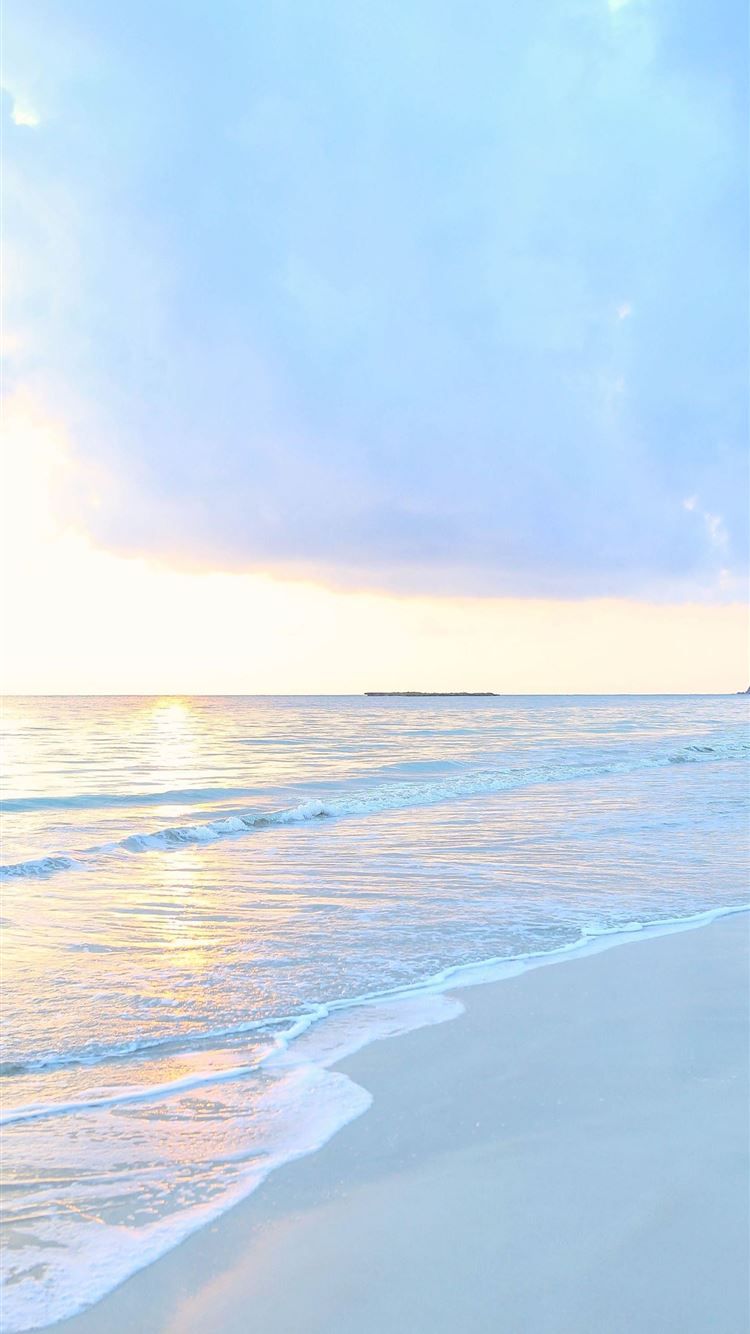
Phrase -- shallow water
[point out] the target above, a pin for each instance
(192, 885)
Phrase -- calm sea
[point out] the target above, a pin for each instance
(202, 899)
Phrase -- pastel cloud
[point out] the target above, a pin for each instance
(203, 633)
(329, 292)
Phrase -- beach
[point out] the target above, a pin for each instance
(374, 704)
(568, 1156)
(291, 981)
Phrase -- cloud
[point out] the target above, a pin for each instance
(349, 313)
(717, 533)
(714, 527)
(23, 115)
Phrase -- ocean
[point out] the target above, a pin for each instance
(207, 901)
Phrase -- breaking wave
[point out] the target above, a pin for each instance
(40, 866)
(384, 797)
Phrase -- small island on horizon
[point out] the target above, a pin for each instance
(430, 694)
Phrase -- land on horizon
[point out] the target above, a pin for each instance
(429, 694)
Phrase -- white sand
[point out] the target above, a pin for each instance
(571, 1155)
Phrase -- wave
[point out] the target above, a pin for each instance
(41, 866)
(593, 938)
(140, 1048)
(381, 798)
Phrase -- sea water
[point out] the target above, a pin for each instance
(207, 902)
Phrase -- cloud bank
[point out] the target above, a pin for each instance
(428, 297)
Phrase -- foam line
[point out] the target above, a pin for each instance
(591, 941)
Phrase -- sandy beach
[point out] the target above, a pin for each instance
(569, 1156)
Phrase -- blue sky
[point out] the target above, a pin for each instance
(425, 297)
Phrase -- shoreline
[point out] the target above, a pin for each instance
(316, 1205)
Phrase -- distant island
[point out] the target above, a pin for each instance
(430, 694)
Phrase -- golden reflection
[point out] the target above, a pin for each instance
(173, 810)
(171, 710)
(186, 938)
(173, 756)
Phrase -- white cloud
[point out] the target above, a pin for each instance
(717, 533)
(624, 310)
(713, 523)
(23, 114)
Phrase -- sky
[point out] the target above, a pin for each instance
(375, 345)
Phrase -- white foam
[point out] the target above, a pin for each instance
(313, 1104)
